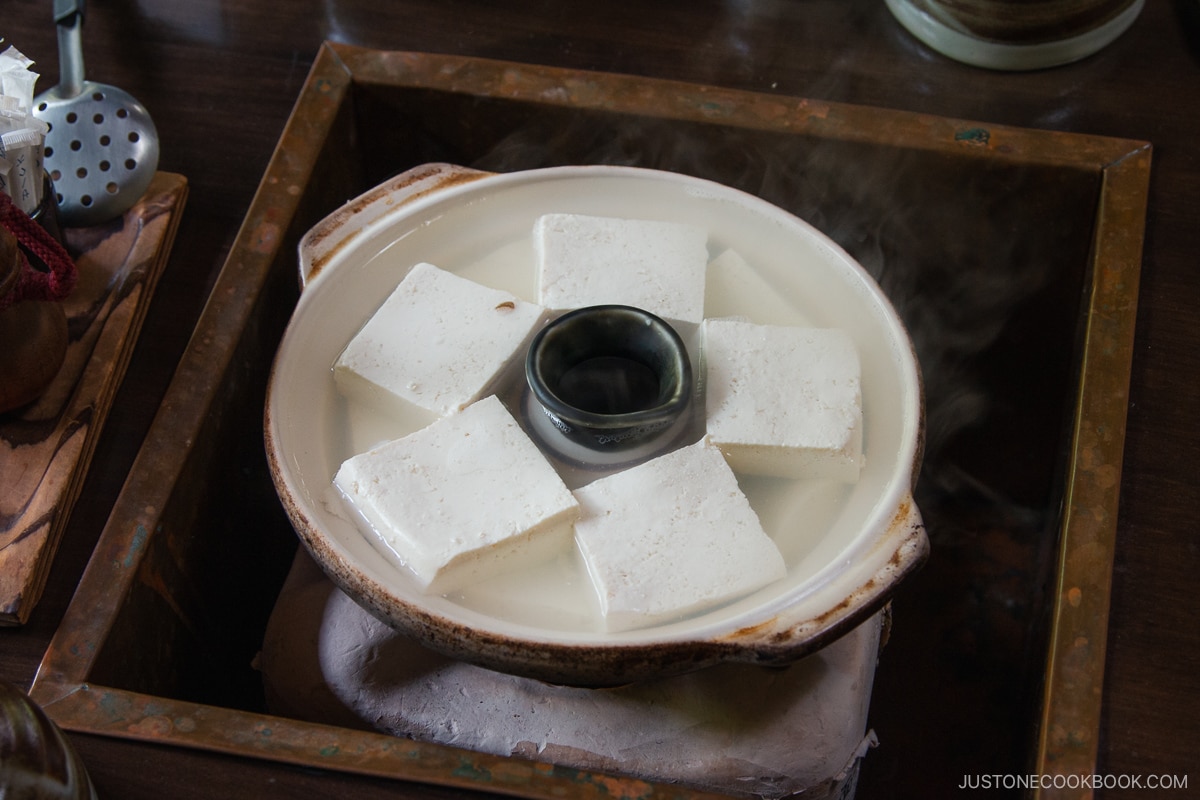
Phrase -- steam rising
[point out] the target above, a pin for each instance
(956, 283)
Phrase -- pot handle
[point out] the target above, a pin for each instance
(325, 239)
(792, 634)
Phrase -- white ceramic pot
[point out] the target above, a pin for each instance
(846, 546)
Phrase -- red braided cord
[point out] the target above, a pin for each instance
(34, 284)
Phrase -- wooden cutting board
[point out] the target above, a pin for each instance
(46, 446)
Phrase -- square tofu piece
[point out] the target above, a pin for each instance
(465, 498)
(784, 401)
(438, 342)
(671, 537)
(655, 266)
(732, 286)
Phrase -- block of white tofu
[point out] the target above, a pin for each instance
(652, 265)
(671, 537)
(438, 342)
(463, 499)
(784, 401)
(734, 288)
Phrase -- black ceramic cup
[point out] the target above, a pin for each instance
(609, 377)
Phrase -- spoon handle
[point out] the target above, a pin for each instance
(68, 16)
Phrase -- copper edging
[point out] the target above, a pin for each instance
(140, 717)
(669, 99)
(118, 553)
(1068, 735)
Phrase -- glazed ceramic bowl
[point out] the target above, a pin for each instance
(846, 546)
(642, 388)
(1016, 34)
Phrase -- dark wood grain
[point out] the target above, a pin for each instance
(219, 80)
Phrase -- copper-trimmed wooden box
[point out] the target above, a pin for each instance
(1012, 255)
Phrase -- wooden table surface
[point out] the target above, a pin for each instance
(219, 79)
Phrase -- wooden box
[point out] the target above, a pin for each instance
(1012, 255)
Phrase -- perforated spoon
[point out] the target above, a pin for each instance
(102, 148)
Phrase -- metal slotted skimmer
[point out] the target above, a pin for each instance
(102, 147)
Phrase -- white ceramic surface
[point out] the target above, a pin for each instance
(846, 546)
